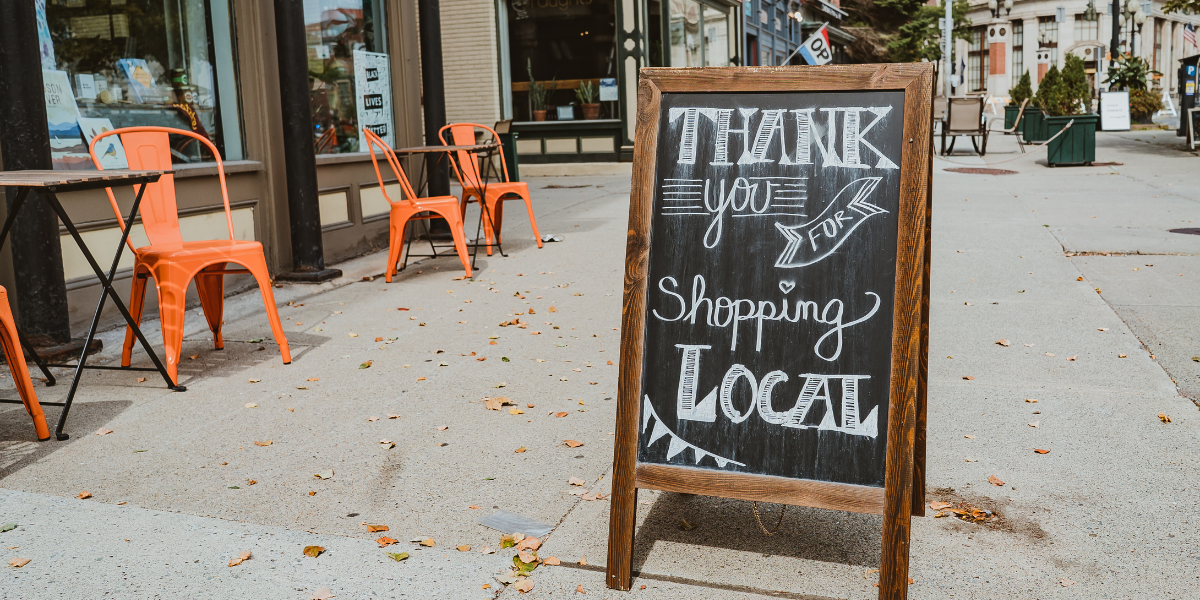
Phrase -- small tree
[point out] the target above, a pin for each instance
(1050, 92)
(1077, 93)
(1021, 92)
(919, 37)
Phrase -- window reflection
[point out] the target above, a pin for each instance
(335, 30)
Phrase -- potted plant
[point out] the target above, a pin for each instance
(1130, 73)
(588, 93)
(1066, 101)
(1019, 93)
(537, 94)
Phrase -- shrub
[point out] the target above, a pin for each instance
(1077, 93)
(1050, 92)
(1022, 91)
(1143, 104)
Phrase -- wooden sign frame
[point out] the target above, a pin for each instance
(903, 493)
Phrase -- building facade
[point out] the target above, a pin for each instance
(213, 68)
(775, 28)
(1036, 34)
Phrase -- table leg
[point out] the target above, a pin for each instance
(106, 291)
(12, 213)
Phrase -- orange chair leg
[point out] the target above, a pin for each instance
(395, 247)
(20, 373)
(259, 270)
(460, 240)
(532, 221)
(172, 307)
(137, 302)
(211, 289)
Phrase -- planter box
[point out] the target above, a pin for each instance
(1077, 145)
(1033, 125)
(1010, 115)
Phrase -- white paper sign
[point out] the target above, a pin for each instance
(1114, 111)
(608, 90)
(86, 85)
(373, 95)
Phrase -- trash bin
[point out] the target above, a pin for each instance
(508, 143)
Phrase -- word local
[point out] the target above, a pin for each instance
(816, 388)
(773, 124)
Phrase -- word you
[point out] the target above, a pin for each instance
(725, 312)
(816, 388)
(769, 141)
(747, 197)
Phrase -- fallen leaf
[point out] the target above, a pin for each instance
(528, 406)
(251, 405)
(313, 551)
(255, 380)
(372, 419)
(520, 450)
(393, 416)
(1031, 400)
(397, 556)
(684, 525)
(84, 495)
(18, 562)
(141, 380)
(561, 414)
(527, 556)
(353, 335)
(515, 411)
(8, 527)
(579, 588)
(379, 339)
(428, 543)
(243, 557)
(529, 543)
(1066, 582)
(376, 528)
(487, 550)
(251, 481)
(610, 362)
(583, 560)
(313, 379)
(194, 357)
(1035, 424)
(1164, 418)
(992, 479)
(1004, 342)
(1050, 354)
(366, 365)
(387, 444)
(1073, 358)
(572, 443)
(464, 548)
(576, 481)
(386, 541)
(103, 431)
(968, 377)
(266, 443)
(524, 586)
(324, 474)
(552, 309)
(321, 594)
(935, 505)
(1041, 451)
(312, 492)
(1122, 356)
(969, 436)
(1101, 329)
(552, 561)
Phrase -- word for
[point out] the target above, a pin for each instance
(725, 312)
(818, 238)
(768, 144)
(816, 388)
(747, 197)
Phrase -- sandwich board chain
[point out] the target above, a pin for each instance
(771, 283)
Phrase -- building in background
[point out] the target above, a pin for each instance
(1036, 34)
(496, 52)
(775, 28)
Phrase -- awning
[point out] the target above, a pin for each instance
(831, 9)
(835, 35)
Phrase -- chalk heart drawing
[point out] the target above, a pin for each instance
(813, 241)
(787, 286)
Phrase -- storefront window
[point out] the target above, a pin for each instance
(561, 45)
(349, 73)
(699, 35)
(119, 63)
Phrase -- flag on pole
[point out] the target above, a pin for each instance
(815, 49)
(1189, 34)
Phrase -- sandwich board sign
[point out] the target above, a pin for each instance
(774, 333)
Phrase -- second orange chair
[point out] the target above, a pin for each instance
(174, 263)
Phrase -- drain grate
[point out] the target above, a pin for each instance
(981, 171)
(1187, 230)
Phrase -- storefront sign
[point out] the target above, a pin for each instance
(373, 86)
(1114, 111)
(772, 329)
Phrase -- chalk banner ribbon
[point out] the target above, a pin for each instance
(810, 242)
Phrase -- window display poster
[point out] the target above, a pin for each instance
(1114, 111)
(141, 82)
(62, 119)
(373, 88)
(608, 90)
(45, 42)
(110, 150)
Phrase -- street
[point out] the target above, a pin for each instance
(1063, 318)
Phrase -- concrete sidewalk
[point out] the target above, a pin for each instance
(1105, 514)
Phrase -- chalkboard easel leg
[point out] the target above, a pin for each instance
(623, 518)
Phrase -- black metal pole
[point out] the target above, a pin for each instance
(299, 153)
(433, 91)
(25, 144)
(1116, 33)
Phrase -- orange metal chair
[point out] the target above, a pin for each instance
(409, 208)
(20, 373)
(467, 168)
(174, 263)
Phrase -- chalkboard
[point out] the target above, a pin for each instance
(768, 327)
(773, 340)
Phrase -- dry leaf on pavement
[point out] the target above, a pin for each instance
(243, 557)
(313, 379)
(397, 556)
(428, 543)
(321, 594)
(509, 540)
(527, 556)
(464, 548)
(968, 377)
(524, 586)
(561, 414)
(372, 419)
(103, 431)
(583, 560)
(376, 528)
(387, 444)
(520, 450)
(529, 543)
(313, 551)
(1164, 418)
(266, 443)
(579, 588)
(84, 495)
(552, 561)
(1041, 451)
(1066, 582)
(1003, 342)
(576, 481)
(141, 380)
(1035, 424)
(992, 479)
(18, 562)
(939, 505)
(385, 541)
(366, 365)
(515, 411)
(572, 443)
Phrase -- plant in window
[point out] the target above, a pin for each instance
(1022, 91)
(588, 95)
(537, 92)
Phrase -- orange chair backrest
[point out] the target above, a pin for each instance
(463, 134)
(374, 142)
(149, 148)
